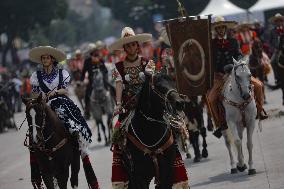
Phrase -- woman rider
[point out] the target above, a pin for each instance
(129, 78)
(52, 83)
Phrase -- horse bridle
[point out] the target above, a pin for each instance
(237, 82)
(41, 145)
(168, 107)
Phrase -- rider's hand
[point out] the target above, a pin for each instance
(51, 93)
(117, 109)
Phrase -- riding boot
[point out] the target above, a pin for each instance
(218, 132)
(90, 174)
(259, 98)
(262, 115)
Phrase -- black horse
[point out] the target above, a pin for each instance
(194, 112)
(150, 149)
(54, 148)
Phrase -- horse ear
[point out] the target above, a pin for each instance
(24, 100)
(235, 61)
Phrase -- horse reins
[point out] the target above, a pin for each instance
(42, 145)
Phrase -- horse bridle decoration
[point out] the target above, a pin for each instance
(237, 82)
(41, 144)
(168, 107)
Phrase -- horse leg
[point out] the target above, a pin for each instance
(228, 143)
(62, 178)
(241, 166)
(48, 181)
(250, 129)
(99, 132)
(75, 167)
(204, 143)
(104, 132)
(109, 124)
(195, 144)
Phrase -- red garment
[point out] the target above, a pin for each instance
(246, 39)
(76, 64)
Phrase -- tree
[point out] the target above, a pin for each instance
(18, 18)
(140, 13)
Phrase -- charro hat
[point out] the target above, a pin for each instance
(128, 36)
(100, 45)
(220, 21)
(277, 16)
(36, 53)
(244, 24)
(91, 48)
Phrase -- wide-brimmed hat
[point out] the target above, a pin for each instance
(128, 36)
(220, 21)
(244, 25)
(277, 16)
(78, 51)
(100, 45)
(91, 48)
(36, 53)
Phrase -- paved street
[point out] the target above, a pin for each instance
(211, 173)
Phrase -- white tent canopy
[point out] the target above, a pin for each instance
(263, 5)
(221, 8)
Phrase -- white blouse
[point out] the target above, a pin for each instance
(51, 81)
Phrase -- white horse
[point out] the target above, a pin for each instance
(241, 112)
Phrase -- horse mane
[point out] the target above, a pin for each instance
(53, 120)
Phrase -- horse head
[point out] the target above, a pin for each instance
(241, 77)
(36, 115)
(159, 94)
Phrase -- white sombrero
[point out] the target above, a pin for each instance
(128, 36)
(277, 16)
(36, 53)
(100, 45)
(220, 21)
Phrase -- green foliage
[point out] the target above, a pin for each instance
(18, 17)
(140, 13)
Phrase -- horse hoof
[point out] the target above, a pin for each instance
(196, 159)
(243, 168)
(99, 139)
(234, 171)
(204, 153)
(252, 172)
(188, 156)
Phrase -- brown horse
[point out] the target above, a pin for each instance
(256, 61)
(259, 63)
(51, 144)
